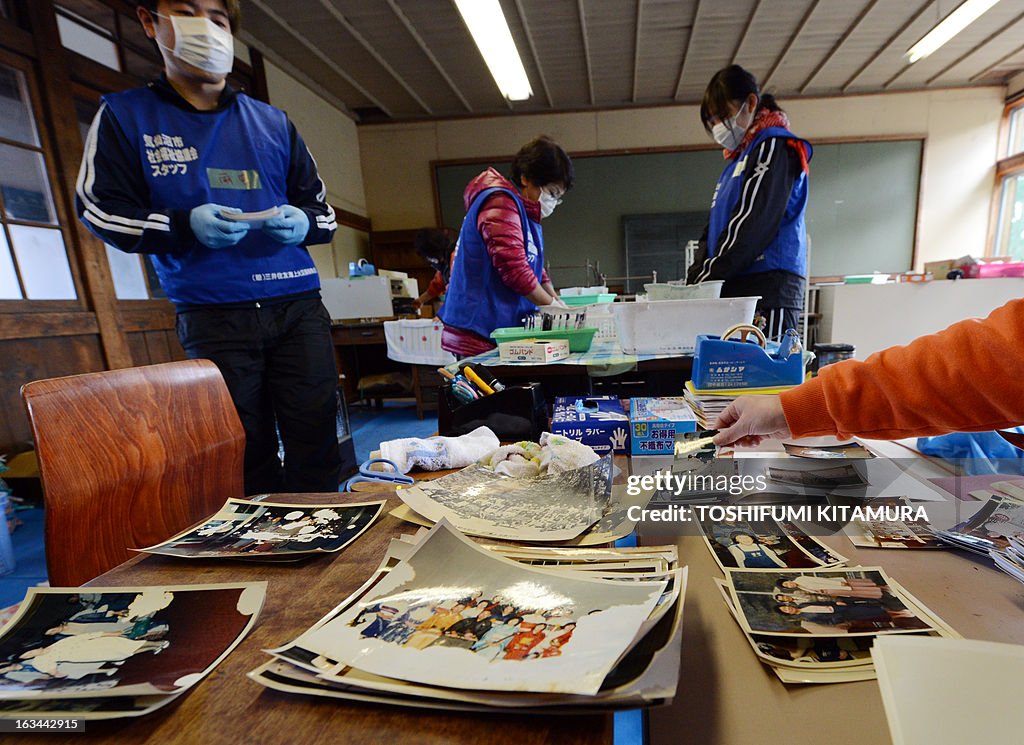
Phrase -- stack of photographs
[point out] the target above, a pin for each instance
(108, 652)
(1011, 559)
(445, 623)
(817, 626)
(271, 531)
(989, 529)
(577, 507)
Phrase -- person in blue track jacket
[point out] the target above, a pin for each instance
(756, 240)
(165, 168)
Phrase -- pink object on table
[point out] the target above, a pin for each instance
(983, 271)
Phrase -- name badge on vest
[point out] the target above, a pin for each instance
(225, 178)
(741, 164)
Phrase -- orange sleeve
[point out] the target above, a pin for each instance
(966, 378)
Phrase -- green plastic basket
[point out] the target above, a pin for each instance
(573, 300)
(579, 339)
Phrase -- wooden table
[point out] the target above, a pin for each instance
(227, 707)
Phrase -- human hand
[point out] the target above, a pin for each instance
(749, 420)
(212, 230)
(290, 227)
(557, 302)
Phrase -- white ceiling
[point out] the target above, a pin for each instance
(393, 60)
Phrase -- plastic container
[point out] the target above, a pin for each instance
(673, 291)
(601, 317)
(574, 300)
(579, 339)
(577, 291)
(672, 326)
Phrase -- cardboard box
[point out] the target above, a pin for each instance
(653, 423)
(597, 421)
(534, 350)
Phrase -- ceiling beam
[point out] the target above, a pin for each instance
(842, 40)
(365, 44)
(686, 51)
(296, 73)
(886, 44)
(636, 46)
(789, 45)
(331, 64)
(586, 49)
(746, 30)
(998, 63)
(991, 37)
(533, 52)
(426, 51)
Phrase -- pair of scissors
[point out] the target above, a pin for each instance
(366, 473)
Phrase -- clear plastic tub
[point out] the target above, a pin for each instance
(672, 326)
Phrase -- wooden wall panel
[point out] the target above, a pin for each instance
(33, 359)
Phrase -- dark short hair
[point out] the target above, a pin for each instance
(234, 8)
(542, 161)
(728, 85)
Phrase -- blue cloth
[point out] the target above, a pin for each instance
(976, 453)
(477, 299)
(788, 250)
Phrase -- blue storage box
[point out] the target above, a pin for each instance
(597, 421)
(653, 423)
(730, 364)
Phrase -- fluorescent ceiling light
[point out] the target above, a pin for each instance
(490, 31)
(950, 26)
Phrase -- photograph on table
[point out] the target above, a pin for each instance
(824, 602)
(996, 522)
(243, 529)
(105, 642)
(94, 707)
(763, 544)
(647, 673)
(835, 477)
(453, 614)
(853, 450)
(902, 534)
(478, 501)
(819, 652)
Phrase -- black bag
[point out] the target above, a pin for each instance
(516, 413)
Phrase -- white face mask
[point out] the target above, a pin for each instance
(548, 202)
(729, 133)
(202, 43)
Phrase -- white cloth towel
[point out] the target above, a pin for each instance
(438, 453)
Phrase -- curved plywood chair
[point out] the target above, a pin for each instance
(130, 457)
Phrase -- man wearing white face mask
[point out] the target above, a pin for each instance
(165, 167)
(756, 239)
(498, 274)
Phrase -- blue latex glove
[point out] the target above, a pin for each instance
(290, 227)
(212, 230)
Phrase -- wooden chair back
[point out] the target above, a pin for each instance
(130, 457)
